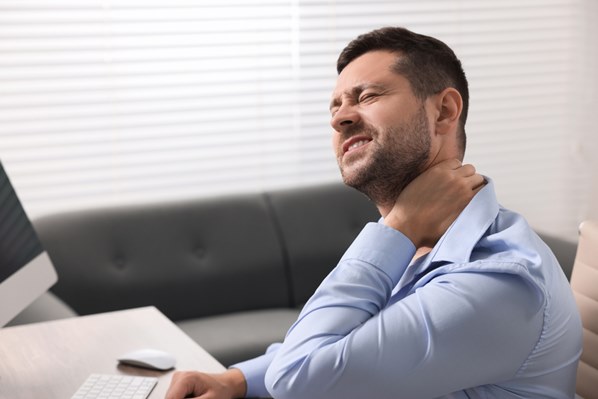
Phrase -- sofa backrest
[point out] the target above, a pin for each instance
(189, 259)
(317, 225)
(563, 249)
(203, 257)
(210, 256)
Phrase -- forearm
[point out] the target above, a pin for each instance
(357, 290)
(362, 283)
(342, 311)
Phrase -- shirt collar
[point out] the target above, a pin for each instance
(457, 243)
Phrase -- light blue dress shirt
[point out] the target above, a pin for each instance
(488, 313)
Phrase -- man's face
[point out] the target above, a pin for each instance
(381, 130)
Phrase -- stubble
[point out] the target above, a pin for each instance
(398, 155)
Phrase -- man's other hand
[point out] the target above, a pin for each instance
(193, 384)
(432, 201)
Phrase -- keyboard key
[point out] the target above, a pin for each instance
(108, 386)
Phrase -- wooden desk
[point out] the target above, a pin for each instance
(51, 360)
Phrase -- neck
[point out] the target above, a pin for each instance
(422, 251)
(384, 209)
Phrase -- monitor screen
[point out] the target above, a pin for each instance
(25, 269)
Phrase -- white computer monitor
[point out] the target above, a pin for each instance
(26, 271)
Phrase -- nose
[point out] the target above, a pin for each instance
(345, 117)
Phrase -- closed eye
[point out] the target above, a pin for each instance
(367, 97)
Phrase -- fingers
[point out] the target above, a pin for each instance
(478, 182)
(465, 173)
(450, 164)
(187, 384)
(456, 165)
(466, 170)
(182, 384)
(474, 180)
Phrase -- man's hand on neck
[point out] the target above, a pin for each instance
(431, 202)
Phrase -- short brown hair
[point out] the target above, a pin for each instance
(429, 64)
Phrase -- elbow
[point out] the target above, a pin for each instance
(307, 374)
(282, 383)
(276, 384)
(271, 383)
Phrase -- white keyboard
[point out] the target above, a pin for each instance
(108, 386)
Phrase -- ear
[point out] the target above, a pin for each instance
(449, 105)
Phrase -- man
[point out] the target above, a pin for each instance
(449, 295)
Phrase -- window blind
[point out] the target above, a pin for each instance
(112, 102)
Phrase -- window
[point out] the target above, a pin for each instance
(119, 101)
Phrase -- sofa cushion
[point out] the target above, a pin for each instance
(235, 337)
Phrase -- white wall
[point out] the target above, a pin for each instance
(542, 153)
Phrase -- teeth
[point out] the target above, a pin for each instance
(357, 144)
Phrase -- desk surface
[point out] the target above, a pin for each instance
(52, 359)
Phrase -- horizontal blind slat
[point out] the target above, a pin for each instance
(133, 100)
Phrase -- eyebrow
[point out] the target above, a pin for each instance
(355, 91)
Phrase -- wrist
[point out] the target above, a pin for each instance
(402, 225)
(235, 380)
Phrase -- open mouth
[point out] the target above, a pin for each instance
(355, 143)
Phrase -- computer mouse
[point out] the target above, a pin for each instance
(149, 358)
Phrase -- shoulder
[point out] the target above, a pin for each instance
(511, 246)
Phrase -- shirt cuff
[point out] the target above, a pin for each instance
(384, 247)
(254, 371)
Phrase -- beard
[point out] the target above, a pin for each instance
(397, 155)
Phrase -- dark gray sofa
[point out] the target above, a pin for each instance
(232, 272)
